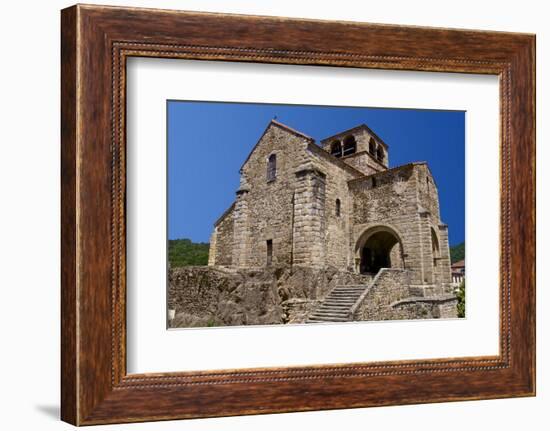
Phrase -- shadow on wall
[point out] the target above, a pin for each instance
(51, 411)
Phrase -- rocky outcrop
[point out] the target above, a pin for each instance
(216, 296)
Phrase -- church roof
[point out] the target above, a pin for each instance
(291, 130)
(316, 148)
(281, 126)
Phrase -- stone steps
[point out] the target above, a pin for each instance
(336, 307)
(338, 304)
(327, 319)
(330, 316)
(332, 310)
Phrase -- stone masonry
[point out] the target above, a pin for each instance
(338, 204)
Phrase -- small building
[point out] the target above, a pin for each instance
(458, 272)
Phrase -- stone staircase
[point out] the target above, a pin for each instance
(336, 307)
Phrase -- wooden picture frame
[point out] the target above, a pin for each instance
(95, 43)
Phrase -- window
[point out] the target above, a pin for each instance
(272, 167)
(350, 146)
(435, 247)
(269, 259)
(336, 149)
(380, 154)
(338, 207)
(373, 182)
(372, 146)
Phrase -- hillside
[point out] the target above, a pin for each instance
(457, 252)
(184, 252)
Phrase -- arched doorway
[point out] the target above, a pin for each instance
(377, 248)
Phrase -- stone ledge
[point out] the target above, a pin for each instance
(430, 299)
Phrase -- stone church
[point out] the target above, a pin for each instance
(339, 204)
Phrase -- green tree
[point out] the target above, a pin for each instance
(457, 252)
(184, 252)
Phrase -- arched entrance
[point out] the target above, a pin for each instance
(379, 247)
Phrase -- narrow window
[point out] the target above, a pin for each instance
(336, 149)
(269, 252)
(373, 182)
(338, 207)
(435, 247)
(380, 154)
(372, 146)
(350, 146)
(272, 167)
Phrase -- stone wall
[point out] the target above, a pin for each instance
(427, 191)
(389, 199)
(405, 202)
(309, 218)
(221, 240)
(337, 227)
(389, 285)
(425, 308)
(364, 162)
(212, 296)
(268, 205)
(437, 255)
(389, 298)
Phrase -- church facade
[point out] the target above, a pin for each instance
(334, 204)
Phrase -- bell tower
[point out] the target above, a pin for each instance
(359, 147)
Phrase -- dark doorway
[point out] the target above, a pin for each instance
(378, 251)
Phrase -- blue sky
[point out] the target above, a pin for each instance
(209, 141)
